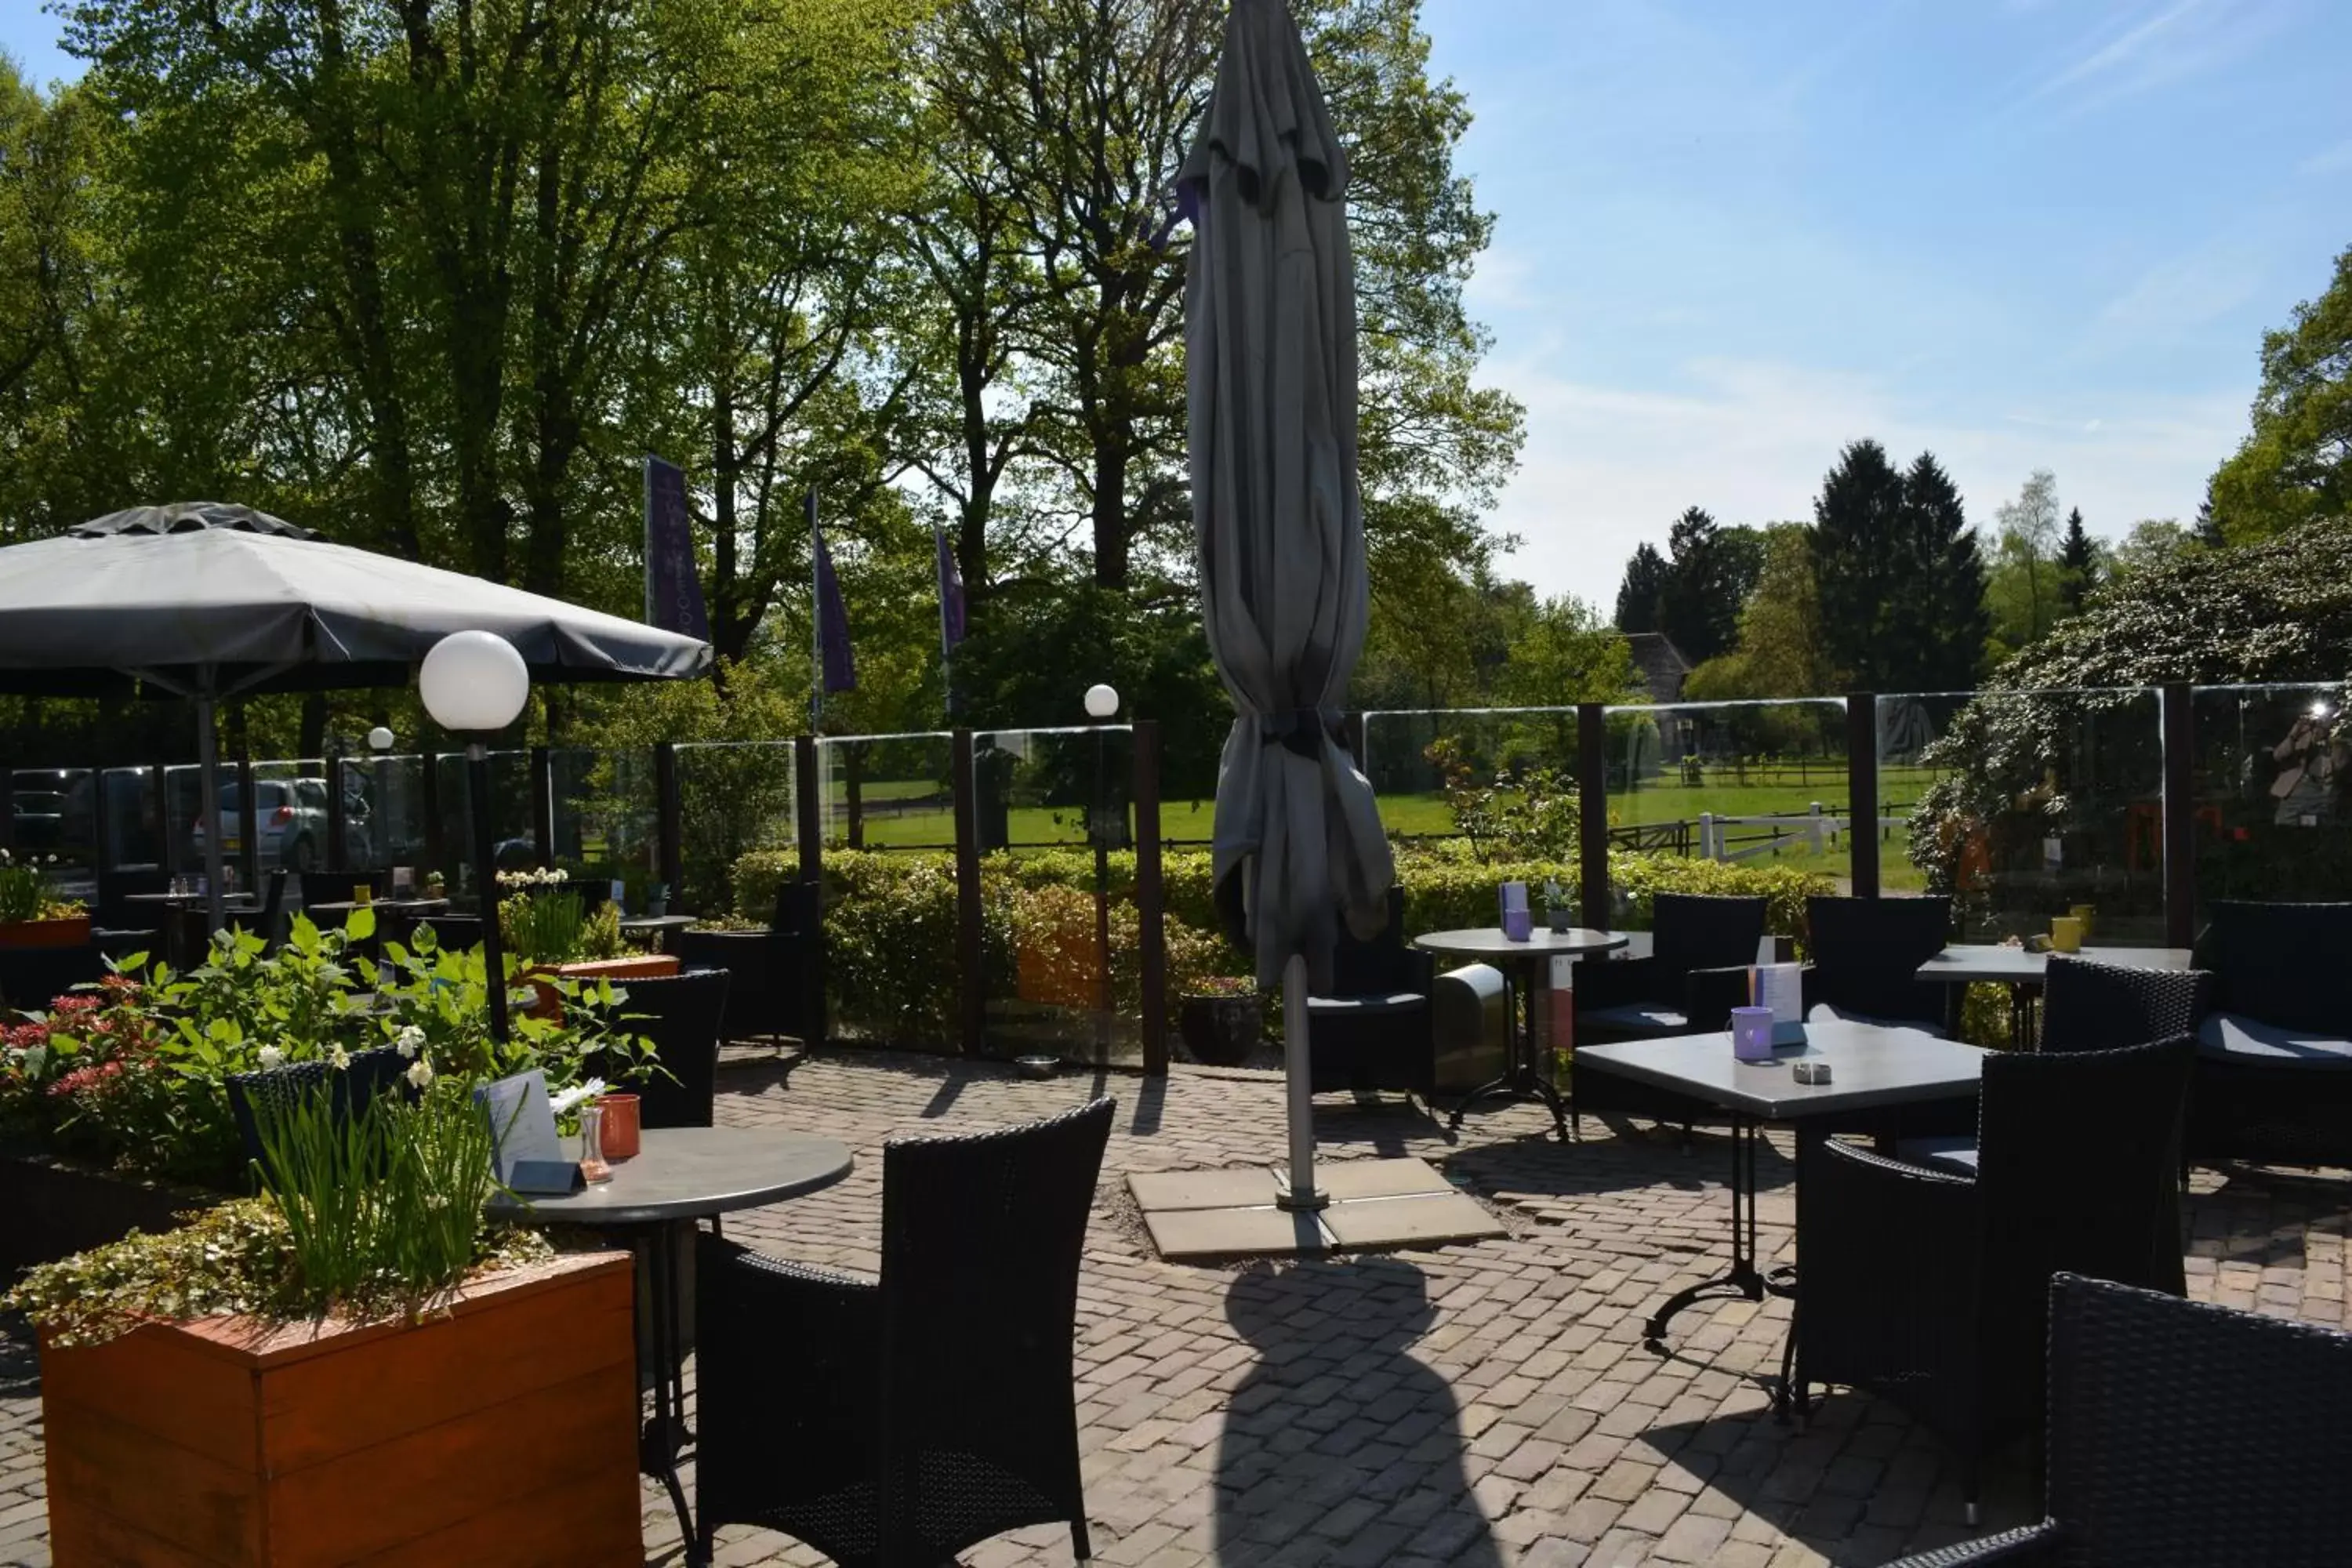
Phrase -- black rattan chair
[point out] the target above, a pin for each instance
(1928, 1287)
(2087, 1005)
(2274, 1060)
(1376, 1029)
(679, 1014)
(749, 958)
(33, 977)
(1866, 955)
(895, 1422)
(371, 1075)
(1696, 972)
(2183, 1435)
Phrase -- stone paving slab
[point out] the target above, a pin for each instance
(1195, 1235)
(1164, 1190)
(1481, 1403)
(1413, 1219)
(1344, 1179)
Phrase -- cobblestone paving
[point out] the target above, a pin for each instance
(1478, 1405)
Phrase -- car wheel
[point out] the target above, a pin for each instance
(303, 858)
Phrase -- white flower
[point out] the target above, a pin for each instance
(578, 1094)
(420, 1073)
(408, 1042)
(341, 1060)
(272, 1059)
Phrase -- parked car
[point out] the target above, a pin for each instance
(290, 820)
(40, 818)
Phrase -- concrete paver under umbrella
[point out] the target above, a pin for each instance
(1270, 344)
(205, 600)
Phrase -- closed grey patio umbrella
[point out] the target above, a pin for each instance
(1270, 345)
(203, 600)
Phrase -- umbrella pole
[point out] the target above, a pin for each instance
(1302, 1192)
(208, 802)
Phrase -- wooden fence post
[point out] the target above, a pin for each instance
(1862, 790)
(1592, 813)
(1150, 910)
(972, 983)
(2179, 816)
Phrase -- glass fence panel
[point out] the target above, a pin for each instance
(735, 798)
(184, 829)
(1738, 783)
(2025, 805)
(53, 818)
(1425, 764)
(387, 818)
(886, 791)
(606, 818)
(2272, 768)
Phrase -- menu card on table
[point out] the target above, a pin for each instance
(525, 1148)
(1780, 987)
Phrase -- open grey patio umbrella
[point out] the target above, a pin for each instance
(203, 600)
(1270, 345)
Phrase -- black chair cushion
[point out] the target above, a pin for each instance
(2231, 1037)
(1635, 1018)
(1366, 1006)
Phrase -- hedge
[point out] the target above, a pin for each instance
(890, 920)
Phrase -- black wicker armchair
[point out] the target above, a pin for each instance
(2184, 1436)
(894, 1422)
(680, 1015)
(2275, 1060)
(1866, 955)
(1696, 972)
(366, 1079)
(1929, 1287)
(2087, 1005)
(1376, 1029)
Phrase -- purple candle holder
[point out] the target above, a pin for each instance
(1751, 1034)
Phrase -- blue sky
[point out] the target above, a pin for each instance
(2032, 234)
(1733, 236)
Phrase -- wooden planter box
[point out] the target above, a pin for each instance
(504, 1432)
(619, 971)
(55, 1210)
(73, 931)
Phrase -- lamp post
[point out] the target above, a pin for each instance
(475, 684)
(1102, 706)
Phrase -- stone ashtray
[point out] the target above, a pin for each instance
(1038, 1067)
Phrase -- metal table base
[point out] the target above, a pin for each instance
(1522, 1076)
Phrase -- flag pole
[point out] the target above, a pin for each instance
(816, 625)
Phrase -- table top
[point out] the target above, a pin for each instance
(687, 1172)
(398, 906)
(236, 903)
(656, 922)
(1997, 962)
(1488, 942)
(1873, 1063)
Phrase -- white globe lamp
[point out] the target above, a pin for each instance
(1102, 701)
(379, 739)
(474, 683)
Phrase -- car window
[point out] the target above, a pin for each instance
(310, 794)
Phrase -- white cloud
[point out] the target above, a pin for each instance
(2157, 47)
(1607, 466)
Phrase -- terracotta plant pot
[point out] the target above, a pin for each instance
(1220, 1031)
(621, 1125)
(71, 931)
(620, 970)
(501, 1431)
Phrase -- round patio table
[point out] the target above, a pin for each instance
(1521, 962)
(679, 1175)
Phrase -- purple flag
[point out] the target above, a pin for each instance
(673, 588)
(951, 594)
(838, 669)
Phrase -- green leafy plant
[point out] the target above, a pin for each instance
(1528, 814)
(544, 924)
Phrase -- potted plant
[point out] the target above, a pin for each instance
(29, 915)
(351, 1367)
(550, 931)
(1221, 1019)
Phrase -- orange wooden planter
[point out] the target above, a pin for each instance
(504, 1432)
(636, 966)
(71, 931)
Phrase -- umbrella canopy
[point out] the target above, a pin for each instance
(203, 600)
(199, 594)
(1270, 340)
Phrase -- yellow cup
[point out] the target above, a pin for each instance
(364, 892)
(2083, 912)
(2066, 934)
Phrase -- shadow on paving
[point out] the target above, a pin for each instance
(1338, 1447)
(1634, 1156)
(1859, 1482)
(2266, 1218)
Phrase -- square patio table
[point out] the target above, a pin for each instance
(1873, 1067)
(1968, 963)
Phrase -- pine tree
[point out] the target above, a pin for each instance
(1855, 522)
(1698, 605)
(1637, 596)
(2078, 564)
(1941, 604)
(1902, 585)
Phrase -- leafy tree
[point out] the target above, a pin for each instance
(2296, 463)
(1698, 606)
(2029, 544)
(2151, 542)
(1643, 585)
(2078, 564)
(1780, 651)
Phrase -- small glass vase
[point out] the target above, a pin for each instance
(592, 1144)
